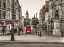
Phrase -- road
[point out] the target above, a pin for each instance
(31, 45)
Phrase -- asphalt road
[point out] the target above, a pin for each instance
(31, 45)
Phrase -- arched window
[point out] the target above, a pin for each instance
(4, 4)
(57, 14)
(3, 14)
(0, 13)
(0, 3)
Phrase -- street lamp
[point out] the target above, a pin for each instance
(19, 18)
(12, 29)
(61, 17)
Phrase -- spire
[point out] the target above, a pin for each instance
(27, 15)
(36, 14)
(27, 12)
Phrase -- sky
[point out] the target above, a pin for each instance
(33, 7)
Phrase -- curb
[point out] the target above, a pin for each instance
(19, 42)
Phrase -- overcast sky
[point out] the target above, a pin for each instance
(32, 6)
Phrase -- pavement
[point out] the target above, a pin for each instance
(31, 38)
(28, 40)
(31, 41)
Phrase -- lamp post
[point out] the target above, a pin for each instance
(12, 29)
(61, 17)
(19, 18)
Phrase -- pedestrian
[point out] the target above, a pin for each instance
(19, 27)
(22, 29)
(3, 29)
(19, 30)
(40, 32)
(38, 29)
(15, 30)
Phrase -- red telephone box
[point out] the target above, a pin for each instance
(28, 29)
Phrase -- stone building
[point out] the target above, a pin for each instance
(43, 12)
(22, 20)
(46, 15)
(56, 12)
(6, 12)
(42, 15)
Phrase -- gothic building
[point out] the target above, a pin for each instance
(27, 19)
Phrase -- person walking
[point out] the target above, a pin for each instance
(40, 30)
(3, 29)
(19, 27)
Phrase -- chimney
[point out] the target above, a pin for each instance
(46, 3)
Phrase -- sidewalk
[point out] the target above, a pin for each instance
(32, 39)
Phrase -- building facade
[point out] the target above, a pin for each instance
(42, 15)
(56, 19)
(6, 12)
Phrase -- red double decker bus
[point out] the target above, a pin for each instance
(28, 29)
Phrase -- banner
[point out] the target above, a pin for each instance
(10, 21)
(16, 21)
